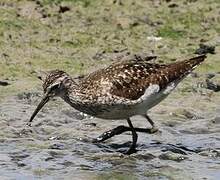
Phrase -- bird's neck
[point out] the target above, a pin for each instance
(71, 86)
(72, 92)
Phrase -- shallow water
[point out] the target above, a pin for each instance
(58, 144)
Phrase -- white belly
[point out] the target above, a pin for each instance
(125, 109)
(152, 96)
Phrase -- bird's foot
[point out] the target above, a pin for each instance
(153, 130)
(131, 150)
(96, 140)
(103, 137)
(108, 134)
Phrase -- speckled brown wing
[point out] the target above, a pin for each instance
(133, 78)
(109, 73)
(137, 78)
(130, 79)
(120, 74)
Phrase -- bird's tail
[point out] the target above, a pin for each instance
(178, 70)
(194, 62)
(186, 66)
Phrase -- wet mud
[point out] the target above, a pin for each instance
(58, 145)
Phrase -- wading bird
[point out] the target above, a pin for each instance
(120, 91)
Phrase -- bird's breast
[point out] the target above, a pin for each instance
(121, 109)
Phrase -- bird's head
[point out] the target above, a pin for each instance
(55, 83)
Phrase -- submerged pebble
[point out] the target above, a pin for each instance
(172, 156)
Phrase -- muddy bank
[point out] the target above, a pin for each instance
(58, 145)
(80, 36)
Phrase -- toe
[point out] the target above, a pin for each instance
(154, 130)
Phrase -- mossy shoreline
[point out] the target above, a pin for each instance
(80, 36)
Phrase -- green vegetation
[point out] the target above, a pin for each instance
(85, 3)
(41, 35)
(169, 32)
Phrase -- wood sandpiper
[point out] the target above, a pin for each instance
(120, 91)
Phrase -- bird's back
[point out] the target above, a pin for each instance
(130, 79)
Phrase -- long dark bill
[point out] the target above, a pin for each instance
(39, 107)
